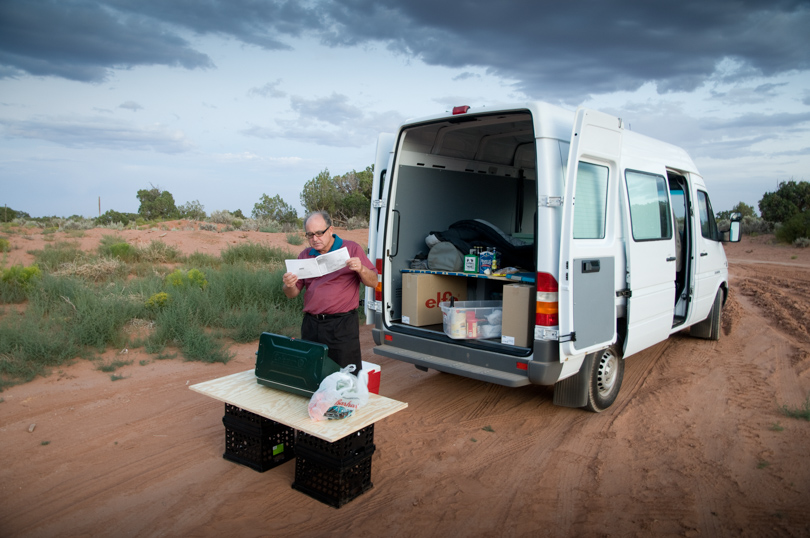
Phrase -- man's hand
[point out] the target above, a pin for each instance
(289, 288)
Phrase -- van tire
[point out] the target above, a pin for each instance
(607, 372)
(709, 328)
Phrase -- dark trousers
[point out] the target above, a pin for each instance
(341, 334)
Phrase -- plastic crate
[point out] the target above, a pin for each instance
(351, 447)
(332, 483)
(255, 441)
(472, 320)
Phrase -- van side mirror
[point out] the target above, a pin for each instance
(734, 233)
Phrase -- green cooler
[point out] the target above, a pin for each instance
(292, 365)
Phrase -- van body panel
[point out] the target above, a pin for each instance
(619, 227)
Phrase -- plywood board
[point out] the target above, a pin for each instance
(243, 391)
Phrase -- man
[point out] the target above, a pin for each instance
(331, 301)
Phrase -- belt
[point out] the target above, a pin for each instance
(329, 316)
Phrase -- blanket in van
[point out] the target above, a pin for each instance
(466, 234)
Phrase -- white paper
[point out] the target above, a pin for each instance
(320, 266)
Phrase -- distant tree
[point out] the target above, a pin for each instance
(112, 217)
(274, 208)
(742, 208)
(790, 198)
(796, 227)
(7, 214)
(344, 197)
(238, 214)
(192, 211)
(157, 204)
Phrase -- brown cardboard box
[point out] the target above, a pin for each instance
(422, 293)
(518, 315)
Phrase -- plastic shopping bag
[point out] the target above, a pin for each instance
(339, 395)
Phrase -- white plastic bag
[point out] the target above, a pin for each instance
(339, 395)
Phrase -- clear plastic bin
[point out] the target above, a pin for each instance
(472, 320)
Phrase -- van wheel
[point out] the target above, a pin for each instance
(709, 328)
(607, 372)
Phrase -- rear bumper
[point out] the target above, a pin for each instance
(476, 362)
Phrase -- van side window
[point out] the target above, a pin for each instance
(708, 226)
(591, 201)
(650, 214)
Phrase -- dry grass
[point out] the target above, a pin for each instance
(96, 271)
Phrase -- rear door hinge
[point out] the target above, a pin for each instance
(624, 293)
(378, 203)
(551, 201)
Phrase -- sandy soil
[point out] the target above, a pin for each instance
(694, 446)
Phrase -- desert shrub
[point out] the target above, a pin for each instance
(193, 278)
(158, 300)
(95, 270)
(356, 223)
(16, 282)
(252, 253)
(271, 227)
(158, 252)
(295, 238)
(52, 256)
(801, 242)
(201, 259)
(795, 227)
(755, 226)
(5, 245)
(221, 217)
(208, 227)
(236, 223)
(115, 246)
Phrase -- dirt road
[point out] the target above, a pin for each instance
(695, 445)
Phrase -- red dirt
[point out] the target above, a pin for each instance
(694, 446)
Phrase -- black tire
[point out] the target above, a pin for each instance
(605, 380)
(709, 328)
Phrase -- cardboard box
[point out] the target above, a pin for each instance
(422, 293)
(519, 303)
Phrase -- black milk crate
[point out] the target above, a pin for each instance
(255, 441)
(330, 482)
(352, 446)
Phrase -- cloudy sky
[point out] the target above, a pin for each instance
(222, 101)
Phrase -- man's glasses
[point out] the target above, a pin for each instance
(310, 235)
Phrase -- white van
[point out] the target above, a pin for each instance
(612, 231)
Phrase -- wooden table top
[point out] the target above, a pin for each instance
(243, 391)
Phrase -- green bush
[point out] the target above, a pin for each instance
(295, 239)
(52, 256)
(795, 227)
(5, 245)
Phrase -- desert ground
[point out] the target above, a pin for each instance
(695, 445)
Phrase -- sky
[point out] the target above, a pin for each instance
(223, 101)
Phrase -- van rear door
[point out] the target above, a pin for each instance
(376, 219)
(588, 245)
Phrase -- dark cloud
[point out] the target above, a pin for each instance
(95, 133)
(554, 51)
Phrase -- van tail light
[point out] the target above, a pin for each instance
(378, 288)
(548, 307)
(460, 110)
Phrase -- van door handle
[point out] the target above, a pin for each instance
(671, 259)
(704, 254)
(590, 266)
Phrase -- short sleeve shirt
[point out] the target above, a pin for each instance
(336, 292)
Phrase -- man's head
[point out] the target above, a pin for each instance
(318, 228)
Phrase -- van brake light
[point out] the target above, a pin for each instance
(460, 109)
(378, 288)
(547, 310)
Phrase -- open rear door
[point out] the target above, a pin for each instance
(376, 219)
(587, 294)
